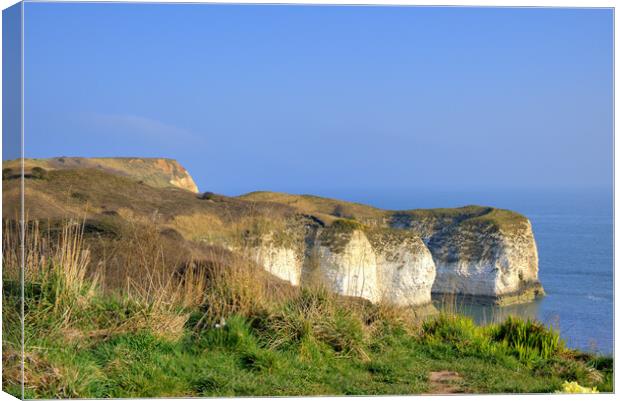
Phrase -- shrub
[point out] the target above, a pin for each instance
(343, 212)
(317, 314)
(7, 173)
(38, 173)
(207, 196)
(450, 328)
(233, 286)
(233, 333)
(528, 339)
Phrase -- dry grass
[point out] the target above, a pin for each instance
(57, 277)
(325, 208)
(55, 266)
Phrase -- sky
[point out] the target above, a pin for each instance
(314, 99)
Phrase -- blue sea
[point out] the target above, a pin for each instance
(574, 234)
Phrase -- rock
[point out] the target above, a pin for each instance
(350, 268)
(405, 267)
(284, 263)
(488, 258)
(484, 253)
(352, 260)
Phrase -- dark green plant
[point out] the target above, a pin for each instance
(207, 196)
(449, 328)
(38, 173)
(7, 173)
(79, 196)
(528, 339)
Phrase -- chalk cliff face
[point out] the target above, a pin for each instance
(482, 252)
(406, 268)
(283, 262)
(348, 265)
(485, 253)
(374, 264)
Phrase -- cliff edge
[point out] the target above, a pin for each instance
(157, 172)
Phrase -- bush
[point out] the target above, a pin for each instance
(343, 212)
(450, 328)
(38, 173)
(315, 314)
(207, 196)
(233, 333)
(7, 173)
(528, 339)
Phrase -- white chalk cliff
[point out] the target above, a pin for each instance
(488, 254)
(377, 265)
(483, 252)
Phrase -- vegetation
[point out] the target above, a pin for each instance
(129, 327)
(7, 173)
(575, 388)
(337, 234)
(207, 196)
(156, 172)
(38, 173)
(331, 209)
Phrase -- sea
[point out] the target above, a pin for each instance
(574, 234)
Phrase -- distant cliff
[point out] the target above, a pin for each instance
(157, 172)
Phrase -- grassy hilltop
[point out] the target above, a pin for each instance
(126, 296)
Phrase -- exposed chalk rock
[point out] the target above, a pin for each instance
(483, 252)
(405, 267)
(350, 268)
(375, 264)
(284, 263)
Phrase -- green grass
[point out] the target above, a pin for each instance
(261, 356)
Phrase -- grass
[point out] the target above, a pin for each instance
(224, 327)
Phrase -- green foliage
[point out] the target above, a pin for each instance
(315, 316)
(450, 328)
(346, 225)
(234, 333)
(528, 339)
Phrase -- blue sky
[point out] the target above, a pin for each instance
(313, 99)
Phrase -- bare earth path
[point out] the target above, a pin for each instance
(445, 382)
